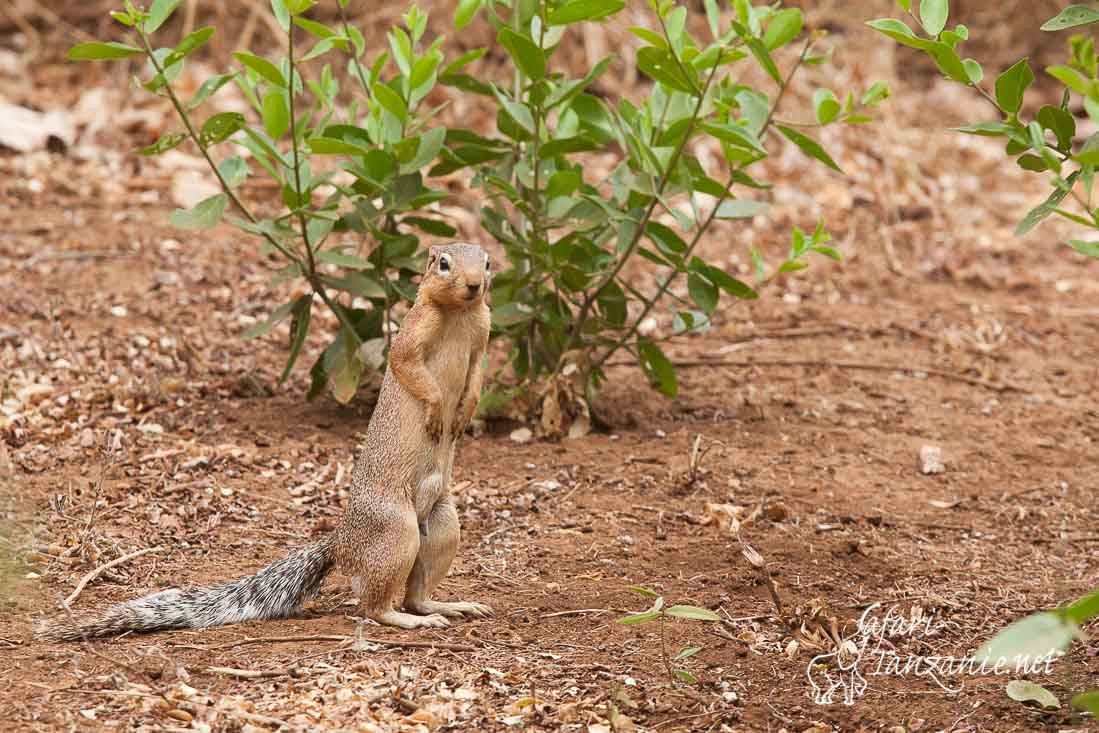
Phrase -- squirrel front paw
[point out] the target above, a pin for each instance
(433, 420)
(462, 417)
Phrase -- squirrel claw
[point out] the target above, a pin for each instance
(434, 423)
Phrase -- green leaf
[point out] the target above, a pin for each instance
(878, 92)
(638, 618)
(1070, 17)
(1047, 207)
(1070, 77)
(734, 134)
(643, 591)
(973, 71)
(277, 316)
(741, 209)
(1024, 691)
(578, 10)
(649, 36)
(686, 676)
(763, 56)
(687, 652)
(276, 113)
(987, 129)
(703, 292)
(1090, 249)
(261, 66)
(299, 329)
(657, 366)
(159, 12)
(692, 612)
(282, 14)
(96, 51)
(1087, 157)
(391, 101)
(1087, 701)
(659, 64)
(220, 127)
(665, 239)
(724, 280)
(193, 41)
(1011, 85)
(164, 144)
(1060, 122)
(320, 30)
(948, 61)
(1031, 162)
(428, 147)
(208, 89)
(900, 32)
(1034, 636)
(431, 226)
(341, 259)
(933, 15)
(530, 59)
(234, 170)
(465, 11)
(205, 214)
(333, 146)
(713, 17)
(1087, 607)
(809, 146)
(511, 314)
(518, 112)
(297, 7)
(784, 26)
(825, 106)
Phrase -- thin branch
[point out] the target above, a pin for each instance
(589, 300)
(255, 674)
(102, 569)
(393, 643)
(663, 287)
(310, 274)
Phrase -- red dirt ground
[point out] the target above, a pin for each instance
(137, 418)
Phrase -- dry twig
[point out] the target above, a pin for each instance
(102, 569)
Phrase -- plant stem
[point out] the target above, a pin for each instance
(310, 274)
(650, 303)
(350, 51)
(197, 140)
(664, 649)
(589, 300)
(294, 152)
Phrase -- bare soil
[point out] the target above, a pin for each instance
(136, 417)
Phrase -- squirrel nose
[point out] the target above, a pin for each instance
(474, 288)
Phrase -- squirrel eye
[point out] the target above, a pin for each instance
(444, 263)
(488, 264)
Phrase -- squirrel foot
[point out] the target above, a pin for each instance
(459, 609)
(410, 621)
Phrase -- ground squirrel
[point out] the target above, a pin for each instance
(400, 529)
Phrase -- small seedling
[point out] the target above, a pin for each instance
(659, 612)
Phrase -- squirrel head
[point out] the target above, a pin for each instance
(457, 277)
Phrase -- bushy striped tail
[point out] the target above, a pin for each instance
(277, 591)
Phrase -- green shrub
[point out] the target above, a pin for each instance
(562, 304)
(1046, 144)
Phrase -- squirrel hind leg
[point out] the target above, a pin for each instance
(379, 556)
(437, 550)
